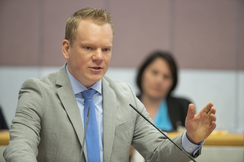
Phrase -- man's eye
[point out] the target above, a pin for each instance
(88, 48)
(106, 49)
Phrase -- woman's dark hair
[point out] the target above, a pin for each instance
(167, 56)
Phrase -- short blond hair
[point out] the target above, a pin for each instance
(99, 16)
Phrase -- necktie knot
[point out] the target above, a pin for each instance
(88, 94)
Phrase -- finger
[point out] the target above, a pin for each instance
(208, 107)
(212, 111)
(212, 117)
(191, 112)
(213, 125)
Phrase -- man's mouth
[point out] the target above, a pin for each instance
(96, 68)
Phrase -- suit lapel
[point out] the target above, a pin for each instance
(109, 118)
(67, 97)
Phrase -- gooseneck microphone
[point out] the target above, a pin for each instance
(163, 133)
(83, 142)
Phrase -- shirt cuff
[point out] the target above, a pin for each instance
(190, 147)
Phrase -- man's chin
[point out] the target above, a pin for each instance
(96, 79)
(92, 79)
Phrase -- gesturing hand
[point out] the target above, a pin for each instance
(201, 125)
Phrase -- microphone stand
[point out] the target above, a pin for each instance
(83, 143)
(163, 133)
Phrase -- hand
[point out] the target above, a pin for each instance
(201, 125)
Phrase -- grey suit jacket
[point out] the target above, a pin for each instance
(47, 126)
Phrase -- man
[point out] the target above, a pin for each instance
(50, 122)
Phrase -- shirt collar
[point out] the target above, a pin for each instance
(79, 87)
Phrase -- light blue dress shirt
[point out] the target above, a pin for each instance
(98, 102)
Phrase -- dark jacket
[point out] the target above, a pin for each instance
(3, 124)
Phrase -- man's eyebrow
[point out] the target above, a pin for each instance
(109, 46)
(83, 43)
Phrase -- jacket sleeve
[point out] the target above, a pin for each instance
(26, 125)
(151, 144)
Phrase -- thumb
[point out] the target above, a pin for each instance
(191, 112)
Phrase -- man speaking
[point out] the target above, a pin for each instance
(77, 114)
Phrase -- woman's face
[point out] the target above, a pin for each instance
(157, 79)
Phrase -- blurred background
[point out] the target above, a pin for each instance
(205, 36)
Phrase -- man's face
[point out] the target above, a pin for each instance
(89, 56)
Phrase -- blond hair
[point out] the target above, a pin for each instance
(99, 16)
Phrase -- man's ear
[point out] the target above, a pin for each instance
(66, 48)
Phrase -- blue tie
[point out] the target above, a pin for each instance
(92, 140)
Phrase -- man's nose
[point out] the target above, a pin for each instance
(98, 55)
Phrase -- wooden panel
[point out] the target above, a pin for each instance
(202, 34)
(19, 33)
(205, 34)
(241, 34)
(140, 27)
(215, 139)
(4, 137)
(220, 138)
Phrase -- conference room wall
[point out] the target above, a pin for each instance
(206, 38)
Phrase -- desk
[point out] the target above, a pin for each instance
(217, 138)
(220, 138)
(217, 147)
(4, 137)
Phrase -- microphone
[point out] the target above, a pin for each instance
(87, 120)
(163, 133)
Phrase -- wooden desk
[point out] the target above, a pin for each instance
(215, 139)
(220, 138)
(4, 137)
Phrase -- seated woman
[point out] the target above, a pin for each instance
(156, 80)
